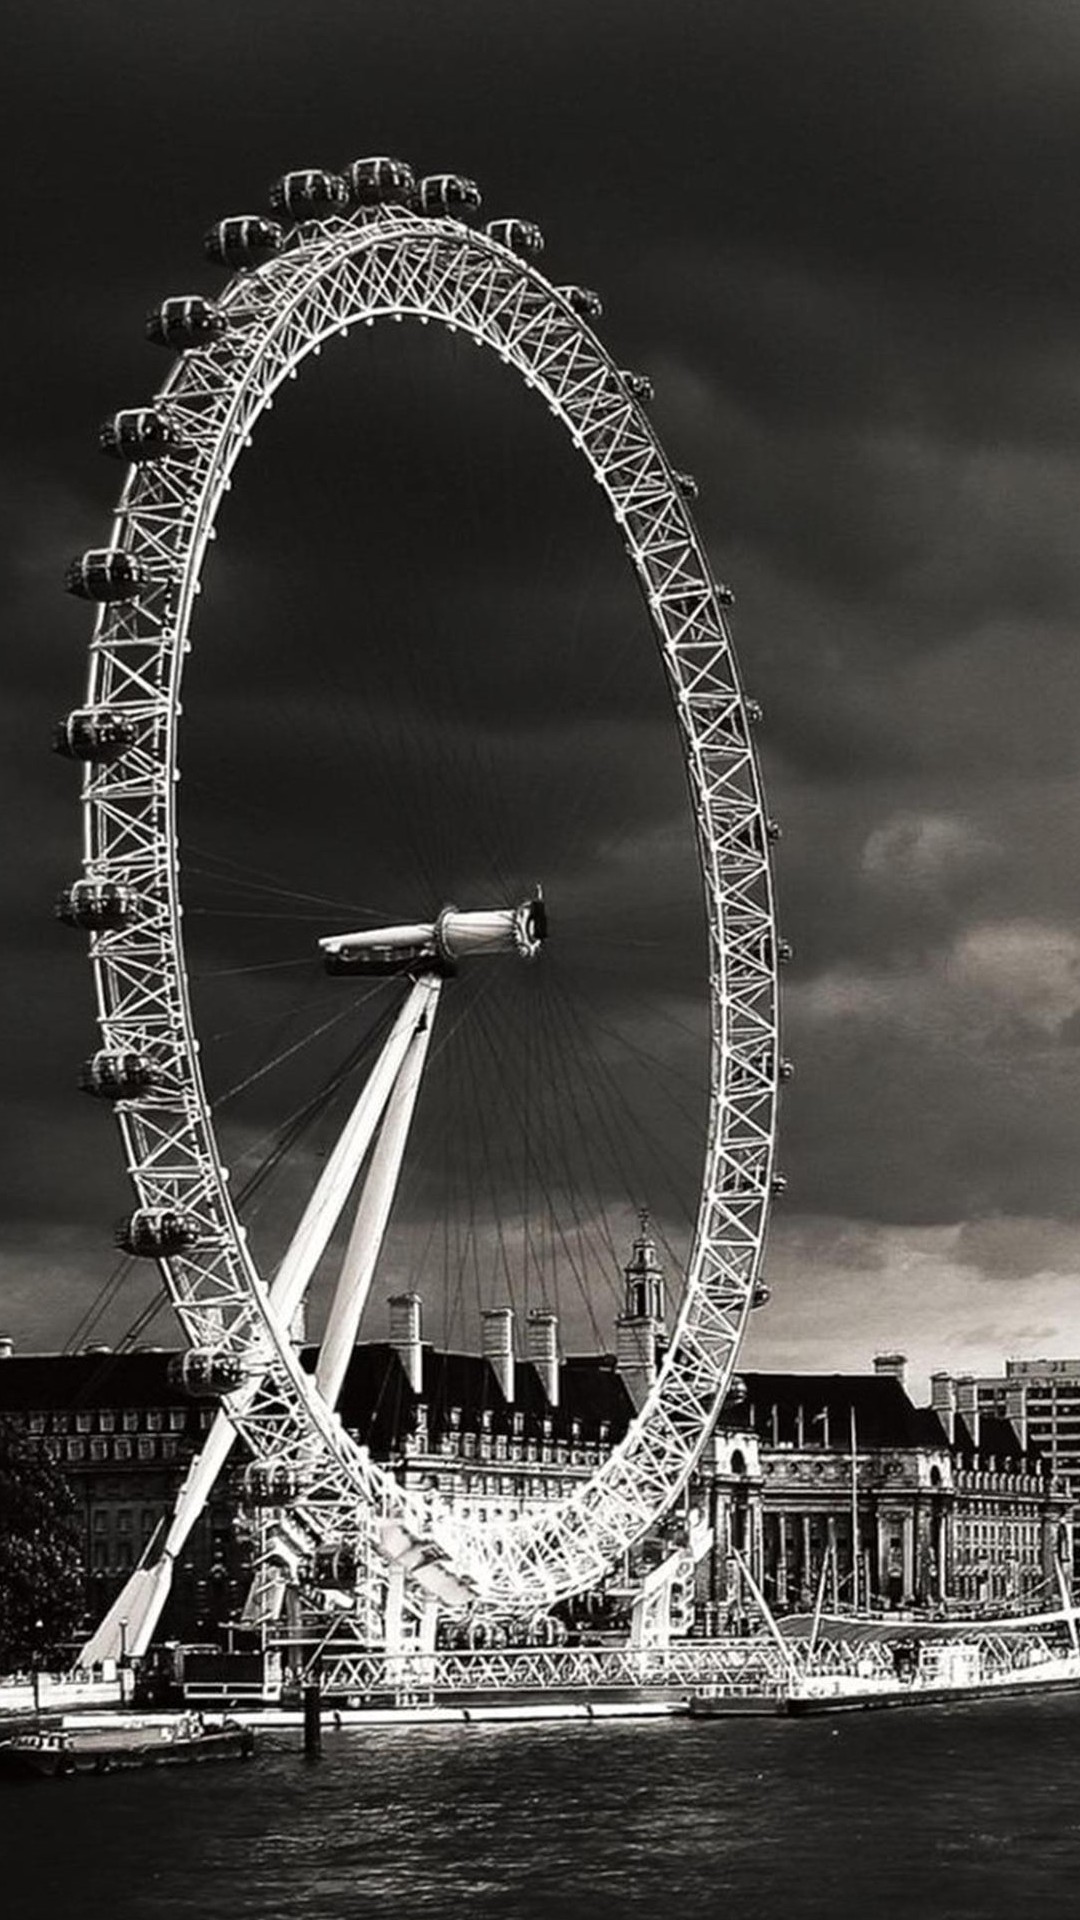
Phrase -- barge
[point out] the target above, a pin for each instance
(56, 1753)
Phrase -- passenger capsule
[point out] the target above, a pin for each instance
(754, 711)
(521, 236)
(116, 1076)
(778, 1183)
(686, 485)
(104, 574)
(447, 193)
(638, 385)
(583, 300)
(94, 737)
(773, 831)
(138, 434)
(784, 952)
(786, 1070)
(761, 1295)
(270, 1486)
(98, 905)
(725, 594)
(309, 193)
(243, 240)
(203, 1373)
(334, 1567)
(153, 1232)
(185, 321)
(379, 181)
(737, 1391)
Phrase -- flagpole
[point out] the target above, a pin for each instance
(855, 1541)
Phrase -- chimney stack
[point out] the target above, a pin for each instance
(892, 1365)
(1016, 1410)
(967, 1404)
(405, 1336)
(543, 1350)
(943, 1402)
(498, 1346)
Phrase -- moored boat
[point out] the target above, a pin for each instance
(57, 1753)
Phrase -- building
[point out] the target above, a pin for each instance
(1041, 1399)
(124, 1432)
(841, 1479)
(811, 1482)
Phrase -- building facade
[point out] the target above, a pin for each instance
(812, 1485)
(1041, 1399)
(124, 1433)
(839, 1484)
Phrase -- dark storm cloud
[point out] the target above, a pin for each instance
(842, 241)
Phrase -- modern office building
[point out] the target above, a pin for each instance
(1041, 1400)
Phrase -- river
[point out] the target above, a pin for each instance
(937, 1813)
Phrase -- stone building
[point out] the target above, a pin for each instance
(842, 1477)
(124, 1434)
(807, 1476)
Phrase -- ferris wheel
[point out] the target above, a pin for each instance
(344, 251)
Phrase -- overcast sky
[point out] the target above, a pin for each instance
(841, 241)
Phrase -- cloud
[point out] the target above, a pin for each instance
(922, 851)
(421, 665)
(959, 1295)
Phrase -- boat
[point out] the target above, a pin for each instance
(55, 1753)
(841, 1664)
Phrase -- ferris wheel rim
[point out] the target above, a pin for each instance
(414, 258)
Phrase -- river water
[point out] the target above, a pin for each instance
(933, 1814)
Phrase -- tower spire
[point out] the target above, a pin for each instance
(644, 1277)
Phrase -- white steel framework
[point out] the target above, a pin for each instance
(333, 274)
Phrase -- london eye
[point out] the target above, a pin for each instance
(337, 253)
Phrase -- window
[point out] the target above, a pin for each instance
(100, 1520)
(99, 1448)
(76, 1449)
(146, 1446)
(177, 1419)
(37, 1423)
(123, 1520)
(131, 1420)
(154, 1420)
(106, 1420)
(168, 1447)
(83, 1422)
(121, 1448)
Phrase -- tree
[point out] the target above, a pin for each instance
(41, 1570)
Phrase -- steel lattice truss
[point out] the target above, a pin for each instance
(333, 275)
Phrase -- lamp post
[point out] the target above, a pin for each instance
(39, 1629)
(123, 1660)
